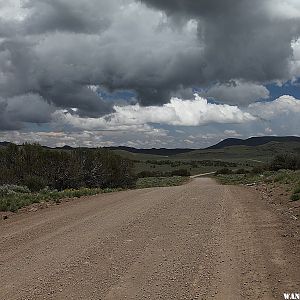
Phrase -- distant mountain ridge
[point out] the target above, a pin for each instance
(254, 141)
(153, 151)
(4, 144)
(251, 142)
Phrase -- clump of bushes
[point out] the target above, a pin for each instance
(241, 171)
(160, 181)
(16, 200)
(259, 169)
(145, 174)
(31, 174)
(35, 183)
(279, 162)
(296, 194)
(36, 167)
(285, 161)
(295, 197)
(224, 171)
(193, 163)
(10, 189)
(179, 172)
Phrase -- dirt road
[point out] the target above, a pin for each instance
(196, 241)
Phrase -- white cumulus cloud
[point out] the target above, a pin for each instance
(178, 112)
(284, 105)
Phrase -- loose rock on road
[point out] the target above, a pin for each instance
(200, 240)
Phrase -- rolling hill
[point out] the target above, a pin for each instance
(231, 148)
(242, 153)
(254, 141)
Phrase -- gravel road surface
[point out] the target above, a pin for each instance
(200, 240)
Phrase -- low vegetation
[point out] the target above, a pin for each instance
(193, 163)
(148, 182)
(281, 176)
(14, 197)
(36, 167)
(283, 169)
(33, 174)
(179, 172)
(296, 193)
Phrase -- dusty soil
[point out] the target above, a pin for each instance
(196, 241)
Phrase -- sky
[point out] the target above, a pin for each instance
(148, 73)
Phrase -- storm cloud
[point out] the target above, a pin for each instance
(18, 110)
(236, 92)
(242, 39)
(53, 51)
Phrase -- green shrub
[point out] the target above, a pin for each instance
(181, 172)
(285, 161)
(160, 181)
(295, 197)
(36, 167)
(35, 183)
(285, 176)
(145, 174)
(259, 169)
(241, 171)
(297, 190)
(8, 189)
(14, 201)
(224, 171)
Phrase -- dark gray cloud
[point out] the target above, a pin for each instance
(5, 122)
(66, 95)
(19, 67)
(194, 8)
(7, 29)
(56, 49)
(62, 51)
(236, 93)
(25, 70)
(243, 39)
(16, 111)
(61, 15)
